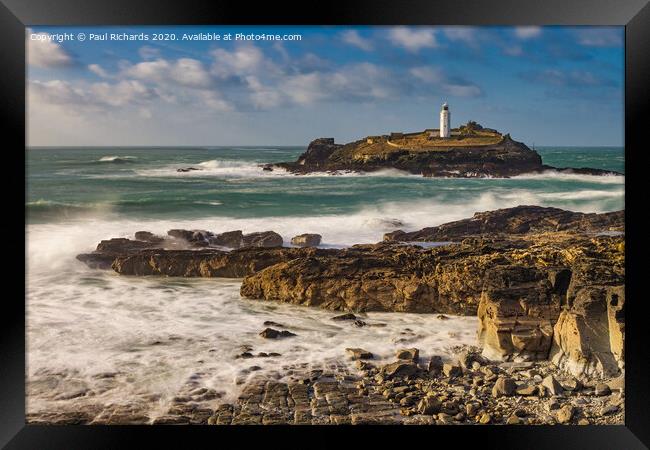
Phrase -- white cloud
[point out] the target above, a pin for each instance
(45, 53)
(413, 39)
(467, 35)
(186, 72)
(93, 97)
(98, 70)
(600, 37)
(528, 32)
(244, 60)
(353, 38)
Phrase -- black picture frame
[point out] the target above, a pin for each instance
(15, 15)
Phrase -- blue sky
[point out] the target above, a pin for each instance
(545, 86)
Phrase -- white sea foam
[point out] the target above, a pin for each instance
(117, 158)
(559, 176)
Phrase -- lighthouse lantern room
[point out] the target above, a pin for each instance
(445, 130)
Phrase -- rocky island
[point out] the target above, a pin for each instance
(470, 151)
(547, 286)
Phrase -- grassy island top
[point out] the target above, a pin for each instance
(469, 135)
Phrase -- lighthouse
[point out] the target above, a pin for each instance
(445, 130)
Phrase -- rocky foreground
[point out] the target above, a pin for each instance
(547, 286)
(469, 154)
(410, 390)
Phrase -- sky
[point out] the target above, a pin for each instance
(543, 85)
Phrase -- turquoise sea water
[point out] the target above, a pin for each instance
(67, 183)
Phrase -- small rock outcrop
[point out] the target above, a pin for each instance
(306, 240)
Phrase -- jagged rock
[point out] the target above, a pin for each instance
(409, 354)
(452, 370)
(262, 239)
(552, 386)
(565, 414)
(306, 240)
(230, 239)
(399, 369)
(148, 236)
(435, 365)
(514, 221)
(527, 390)
(429, 405)
(203, 263)
(504, 387)
(584, 333)
(517, 311)
(108, 250)
(270, 333)
(359, 353)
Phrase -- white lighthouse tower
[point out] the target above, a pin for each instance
(445, 130)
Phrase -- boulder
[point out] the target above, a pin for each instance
(504, 387)
(429, 405)
(408, 354)
(452, 370)
(270, 333)
(230, 239)
(306, 240)
(565, 414)
(588, 336)
(435, 365)
(399, 369)
(262, 239)
(359, 353)
(552, 386)
(516, 314)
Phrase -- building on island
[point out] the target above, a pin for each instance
(445, 129)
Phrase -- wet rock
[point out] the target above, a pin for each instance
(270, 333)
(359, 353)
(435, 365)
(230, 239)
(409, 354)
(187, 169)
(442, 317)
(147, 236)
(306, 240)
(262, 239)
(342, 317)
(359, 323)
(518, 220)
(270, 323)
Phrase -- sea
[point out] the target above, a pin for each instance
(97, 338)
